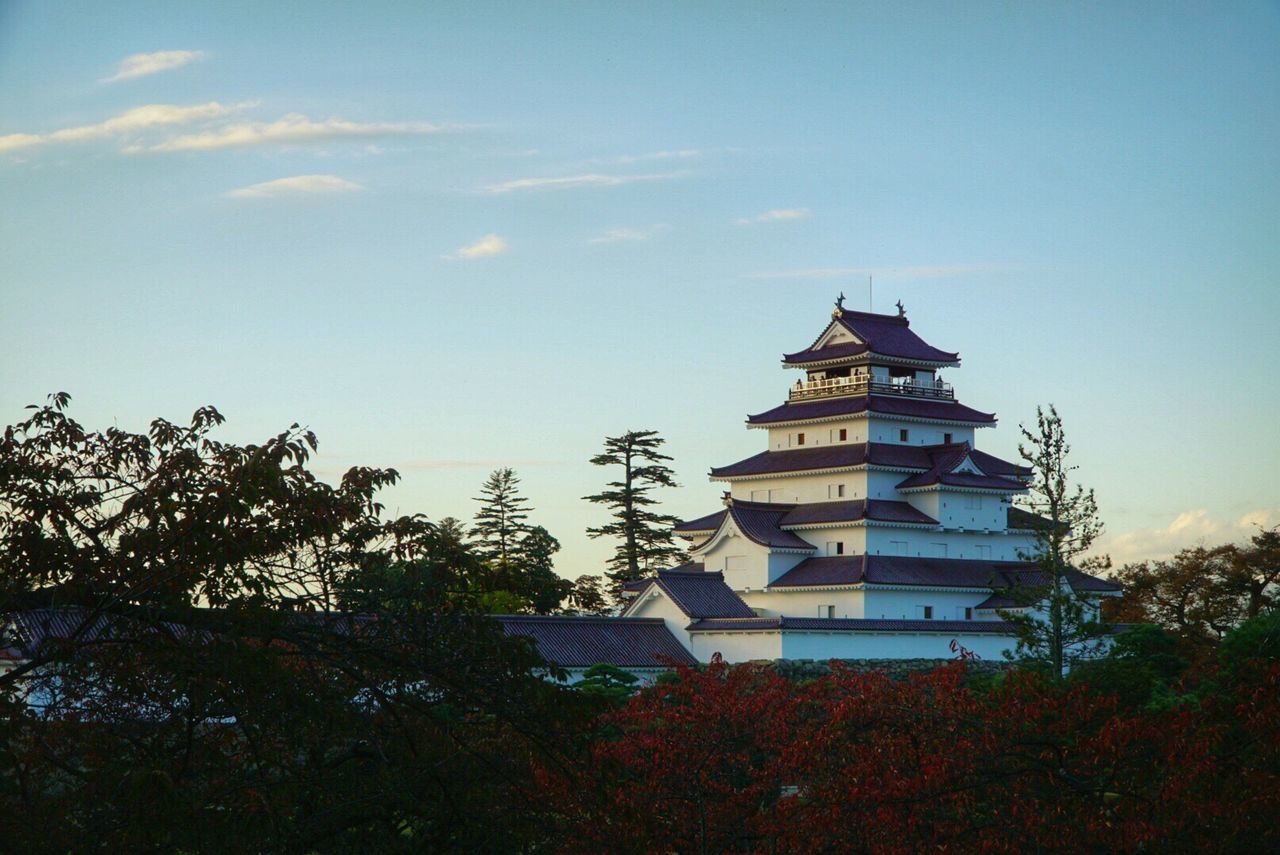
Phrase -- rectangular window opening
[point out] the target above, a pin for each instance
(946, 439)
(904, 435)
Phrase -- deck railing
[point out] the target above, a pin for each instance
(863, 384)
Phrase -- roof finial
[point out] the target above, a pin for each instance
(902, 312)
(840, 302)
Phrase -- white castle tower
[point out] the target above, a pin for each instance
(870, 527)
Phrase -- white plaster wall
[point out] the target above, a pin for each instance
(801, 488)
(737, 646)
(922, 543)
(659, 605)
(854, 539)
(784, 603)
(876, 645)
(905, 604)
(822, 433)
(886, 429)
(744, 562)
(780, 563)
(954, 510)
(884, 485)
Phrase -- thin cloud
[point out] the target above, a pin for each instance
(143, 64)
(679, 154)
(130, 121)
(487, 247)
(296, 185)
(593, 179)
(1188, 529)
(294, 128)
(936, 271)
(432, 465)
(776, 215)
(621, 235)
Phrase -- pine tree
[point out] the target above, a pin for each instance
(645, 537)
(500, 522)
(1062, 626)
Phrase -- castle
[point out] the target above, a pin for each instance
(870, 527)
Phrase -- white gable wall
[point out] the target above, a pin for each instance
(655, 603)
(782, 602)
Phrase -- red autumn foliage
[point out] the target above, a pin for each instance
(737, 759)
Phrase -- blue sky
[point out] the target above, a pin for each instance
(456, 236)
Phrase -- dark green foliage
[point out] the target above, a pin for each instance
(645, 539)
(1062, 627)
(608, 683)
(284, 670)
(500, 522)
(521, 567)
(1142, 669)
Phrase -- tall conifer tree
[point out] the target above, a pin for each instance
(645, 537)
(500, 522)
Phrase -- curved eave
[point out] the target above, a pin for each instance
(935, 486)
(859, 524)
(785, 472)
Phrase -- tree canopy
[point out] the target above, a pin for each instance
(645, 539)
(1057, 625)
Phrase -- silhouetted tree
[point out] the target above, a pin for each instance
(1062, 626)
(645, 537)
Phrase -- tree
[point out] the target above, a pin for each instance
(188, 676)
(588, 596)
(1061, 626)
(500, 522)
(1204, 592)
(536, 577)
(645, 537)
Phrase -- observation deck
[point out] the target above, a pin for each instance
(863, 384)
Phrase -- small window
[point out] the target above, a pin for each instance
(799, 439)
(898, 547)
(826, 611)
(939, 550)
(904, 435)
(968, 613)
(835, 547)
(925, 612)
(844, 434)
(946, 439)
(983, 551)
(835, 491)
(839, 547)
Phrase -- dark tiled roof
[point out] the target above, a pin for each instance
(923, 457)
(857, 509)
(888, 335)
(831, 351)
(997, 601)
(891, 335)
(1018, 518)
(853, 625)
(961, 479)
(934, 572)
(710, 522)
(34, 629)
(820, 457)
(993, 465)
(944, 459)
(701, 594)
(760, 522)
(579, 642)
(889, 405)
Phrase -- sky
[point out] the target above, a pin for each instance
(451, 237)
